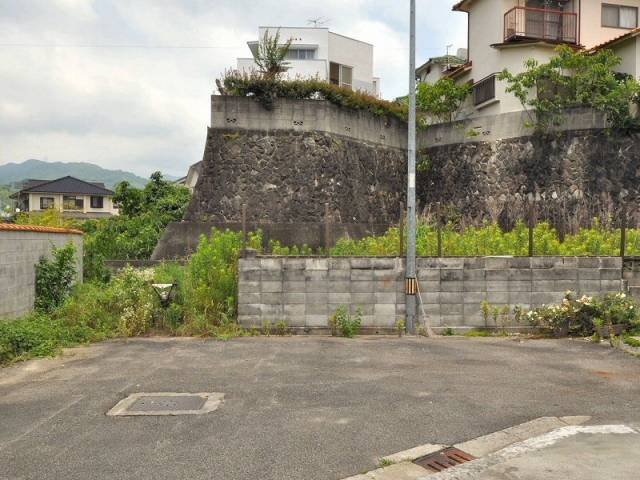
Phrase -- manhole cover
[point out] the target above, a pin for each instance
(447, 458)
(167, 404)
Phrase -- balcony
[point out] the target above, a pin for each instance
(526, 23)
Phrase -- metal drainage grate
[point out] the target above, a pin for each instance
(447, 458)
(167, 404)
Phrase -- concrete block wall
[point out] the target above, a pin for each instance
(244, 113)
(20, 251)
(306, 291)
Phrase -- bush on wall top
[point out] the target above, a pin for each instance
(266, 90)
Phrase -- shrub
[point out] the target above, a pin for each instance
(54, 277)
(349, 325)
(130, 294)
(266, 89)
(581, 315)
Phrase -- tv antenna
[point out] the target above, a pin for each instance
(318, 21)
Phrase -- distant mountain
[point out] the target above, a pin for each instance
(12, 173)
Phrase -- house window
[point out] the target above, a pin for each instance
(341, 75)
(72, 203)
(97, 202)
(47, 203)
(484, 90)
(619, 16)
(301, 54)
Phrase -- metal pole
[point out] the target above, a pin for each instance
(411, 287)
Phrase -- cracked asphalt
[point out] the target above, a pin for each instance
(295, 408)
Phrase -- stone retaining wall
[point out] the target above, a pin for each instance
(306, 291)
(21, 246)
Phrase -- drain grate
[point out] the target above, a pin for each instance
(167, 404)
(447, 458)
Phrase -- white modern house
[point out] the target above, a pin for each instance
(505, 33)
(318, 53)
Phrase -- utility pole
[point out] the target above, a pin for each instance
(411, 286)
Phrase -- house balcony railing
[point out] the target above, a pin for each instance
(540, 24)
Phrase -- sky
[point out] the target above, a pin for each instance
(126, 83)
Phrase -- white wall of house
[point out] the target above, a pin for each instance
(58, 198)
(592, 32)
(328, 47)
(629, 51)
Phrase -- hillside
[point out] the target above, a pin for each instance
(12, 173)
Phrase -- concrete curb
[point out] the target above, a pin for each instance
(402, 468)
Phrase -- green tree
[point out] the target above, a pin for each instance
(271, 55)
(440, 101)
(575, 79)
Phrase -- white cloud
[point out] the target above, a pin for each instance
(100, 96)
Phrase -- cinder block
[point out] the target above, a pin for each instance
(474, 298)
(428, 286)
(271, 298)
(385, 274)
(520, 263)
(610, 262)
(452, 320)
(270, 263)
(430, 297)
(546, 298)
(498, 297)
(428, 274)
(339, 286)
(293, 298)
(555, 274)
(497, 275)
(316, 286)
(316, 264)
(362, 287)
(456, 263)
(566, 262)
(340, 274)
(497, 286)
(366, 309)
(611, 285)
(294, 275)
(453, 286)
(385, 298)
(497, 263)
(340, 298)
(316, 275)
(565, 285)
(339, 264)
(317, 309)
(589, 273)
(520, 274)
(517, 298)
(271, 287)
(543, 286)
(316, 320)
(385, 286)
(474, 275)
(271, 275)
(542, 262)
(475, 286)
(474, 263)
(472, 310)
(249, 321)
(249, 265)
(317, 298)
(428, 263)
(520, 286)
(451, 297)
(361, 275)
(294, 287)
(363, 298)
(431, 309)
(610, 274)
(360, 263)
(452, 309)
(295, 311)
(248, 298)
(383, 263)
(249, 287)
(271, 311)
(450, 275)
(589, 287)
(387, 310)
(589, 262)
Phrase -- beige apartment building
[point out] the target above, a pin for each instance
(504, 33)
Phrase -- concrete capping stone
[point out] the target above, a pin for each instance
(213, 400)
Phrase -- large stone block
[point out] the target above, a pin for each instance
(317, 309)
(362, 286)
(451, 297)
(271, 287)
(610, 274)
(294, 286)
(428, 274)
(452, 286)
(475, 286)
(317, 286)
(451, 275)
(385, 298)
(589, 273)
(497, 286)
(340, 298)
(289, 298)
(385, 286)
(474, 275)
(339, 286)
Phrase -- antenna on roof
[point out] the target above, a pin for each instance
(318, 21)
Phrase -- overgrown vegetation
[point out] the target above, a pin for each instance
(55, 277)
(271, 54)
(574, 79)
(441, 101)
(344, 322)
(490, 239)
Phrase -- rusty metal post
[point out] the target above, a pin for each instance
(439, 232)
(401, 228)
(245, 234)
